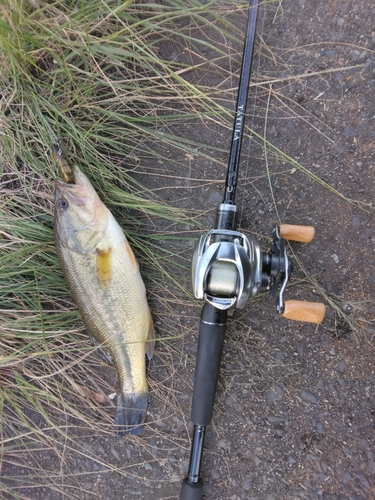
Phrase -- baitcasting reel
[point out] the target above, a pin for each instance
(228, 268)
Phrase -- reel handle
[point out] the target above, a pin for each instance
(304, 234)
(299, 310)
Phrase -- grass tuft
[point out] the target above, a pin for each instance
(92, 75)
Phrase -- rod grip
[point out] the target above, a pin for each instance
(304, 234)
(299, 310)
(210, 348)
(191, 491)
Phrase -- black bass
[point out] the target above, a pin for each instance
(105, 282)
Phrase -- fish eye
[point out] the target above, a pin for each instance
(62, 203)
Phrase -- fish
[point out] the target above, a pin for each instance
(104, 279)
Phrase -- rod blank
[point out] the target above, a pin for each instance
(239, 120)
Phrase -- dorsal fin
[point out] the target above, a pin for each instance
(131, 255)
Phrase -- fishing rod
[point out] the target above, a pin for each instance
(227, 269)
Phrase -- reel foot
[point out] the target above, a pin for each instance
(299, 310)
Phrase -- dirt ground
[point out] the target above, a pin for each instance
(294, 416)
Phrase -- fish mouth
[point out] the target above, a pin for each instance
(75, 192)
(62, 185)
(73, 181)
(74, 185)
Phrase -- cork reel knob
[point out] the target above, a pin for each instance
(304, 234)
(299, 310)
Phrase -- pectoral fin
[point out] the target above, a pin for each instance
(104, 266)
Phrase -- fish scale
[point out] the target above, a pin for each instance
(100, 311)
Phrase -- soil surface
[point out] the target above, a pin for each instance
(295, 408)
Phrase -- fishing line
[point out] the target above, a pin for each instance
(266, 154)
(250, 138)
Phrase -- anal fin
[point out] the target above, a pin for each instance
(150, 344)
(103, 353)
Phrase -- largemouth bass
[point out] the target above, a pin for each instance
(104, 279)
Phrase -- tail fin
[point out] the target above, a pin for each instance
(130, 413)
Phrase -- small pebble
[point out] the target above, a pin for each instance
(115, 453)
(341, 366)
(276, 393)
(356, 223)
(272, 419)
(308, 396)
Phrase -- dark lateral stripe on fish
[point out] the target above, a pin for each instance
(104, 266)
(130, 413)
